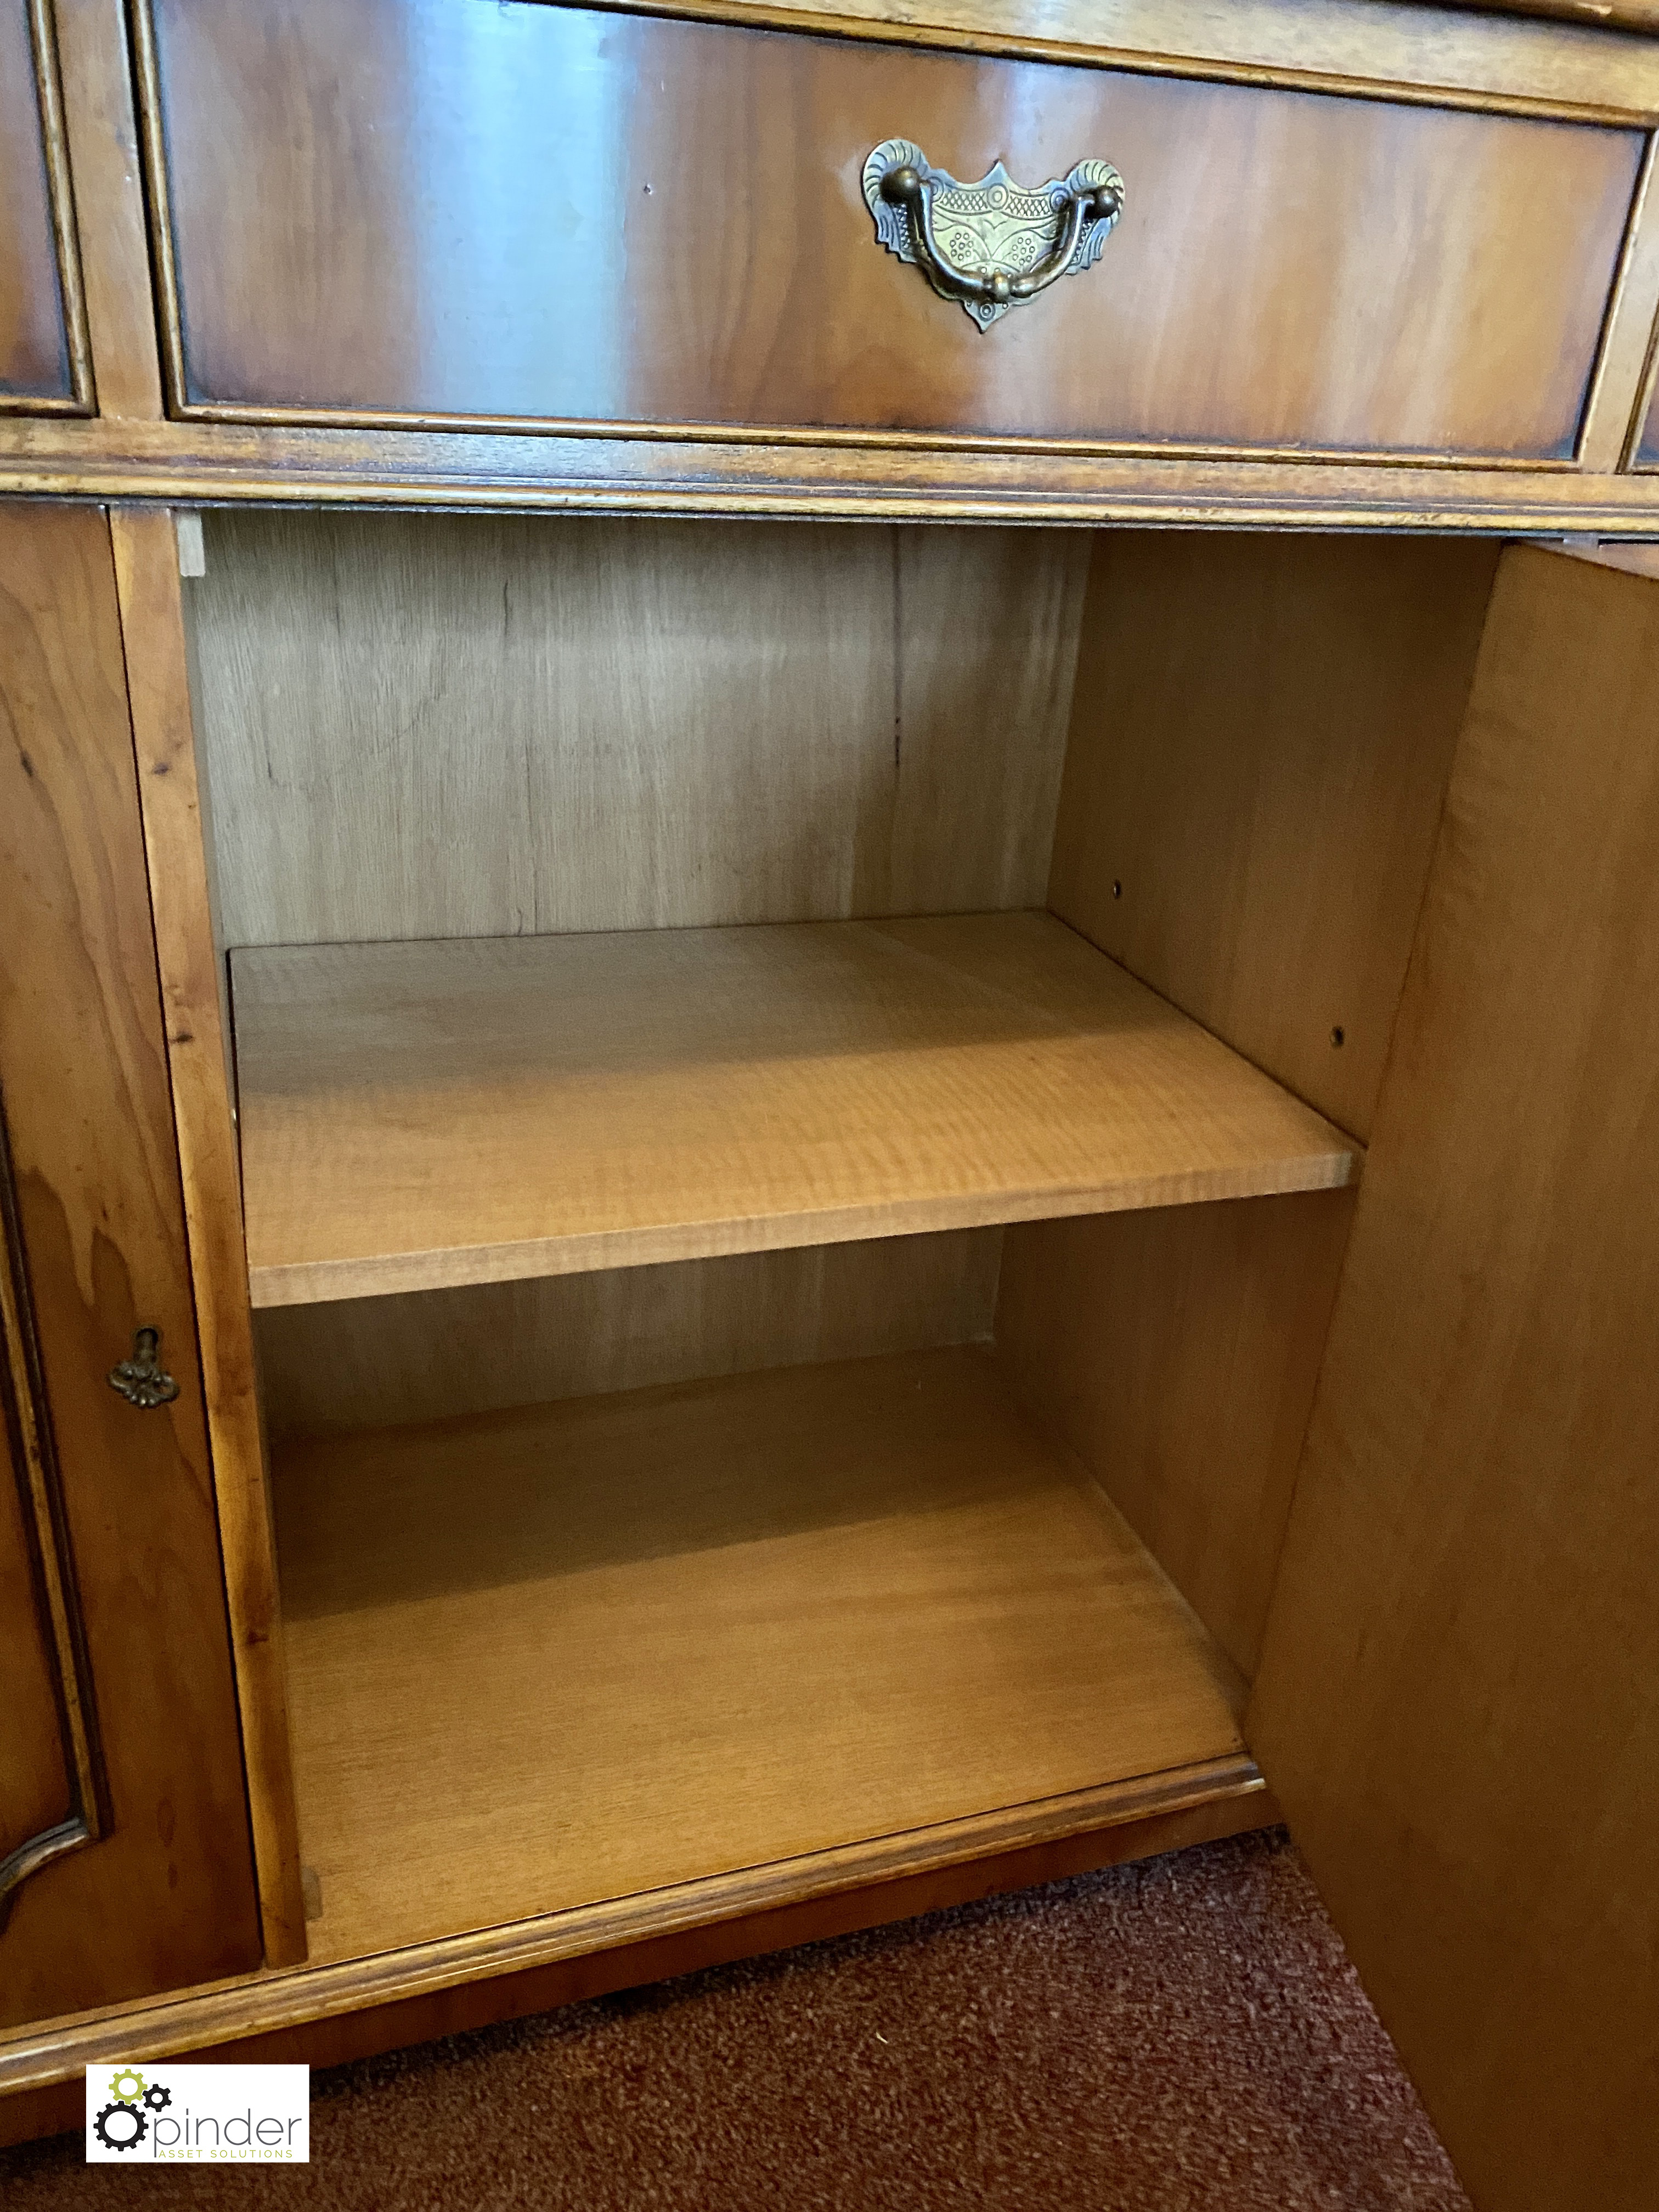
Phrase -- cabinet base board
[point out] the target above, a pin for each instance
(328, 2015)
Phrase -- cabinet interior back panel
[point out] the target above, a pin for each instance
(419, 726)
(433, 1355)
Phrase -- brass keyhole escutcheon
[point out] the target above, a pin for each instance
(142, 1379)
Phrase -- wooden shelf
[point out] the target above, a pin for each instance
(479, 1109)
(543, 1658)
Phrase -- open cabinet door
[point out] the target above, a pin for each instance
(125, 1864)
(1458, 1704)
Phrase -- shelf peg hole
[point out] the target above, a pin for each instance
(1117, 888)
(1339, 1036)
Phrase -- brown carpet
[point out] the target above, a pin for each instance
(1185, 2033)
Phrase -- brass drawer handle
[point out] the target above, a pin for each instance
(142, 1379)
(992, 244)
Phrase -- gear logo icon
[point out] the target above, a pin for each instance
(123, 2094)
(158, 2097)
(121, 2125)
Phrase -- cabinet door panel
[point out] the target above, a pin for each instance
(1458, 1704)
(165, 1895)
(40, 371)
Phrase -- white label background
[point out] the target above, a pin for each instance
(213, 2109)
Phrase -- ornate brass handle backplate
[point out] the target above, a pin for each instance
(993, 244)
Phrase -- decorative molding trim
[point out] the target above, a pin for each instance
(192, 464)
(60, 192)
(23, 1402)
(1611, 399)
(153, 153)
(34, 1852)
(279, 415)
(35, 2057)
(1646, 392)
(1426, 55)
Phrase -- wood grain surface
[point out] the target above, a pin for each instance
(681, 1632)
(367, 1363)
(1262, 728)
(1456, 1695)
(643, 723)
(102, 131)
(419, 1116)
(34, 346)
(152, 639)
(167, 1897)
(369, 218)
(1175, 1352)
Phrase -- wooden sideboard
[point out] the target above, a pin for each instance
(729, 1210)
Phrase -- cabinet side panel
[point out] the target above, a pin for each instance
(166, 1897)
(643, 723)
(1262, 731)
(1456, 1702)
(1175, 1352)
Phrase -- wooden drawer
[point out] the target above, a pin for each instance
(43, 355)
(436, 209)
